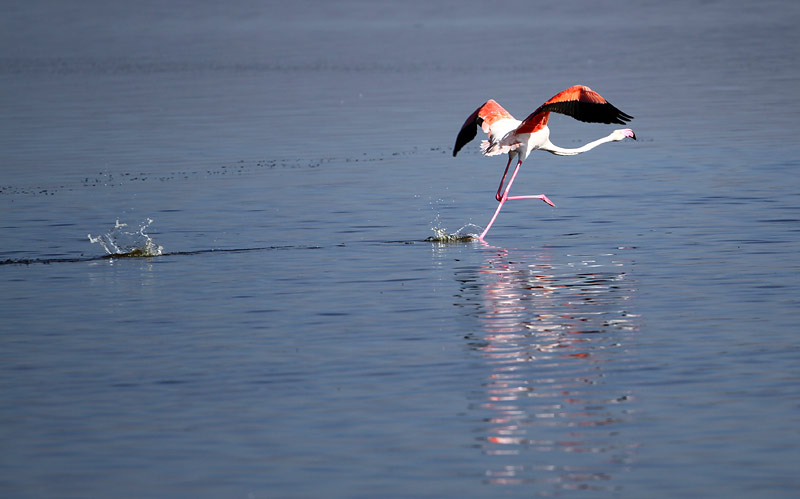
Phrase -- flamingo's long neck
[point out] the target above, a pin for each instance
(561, 151)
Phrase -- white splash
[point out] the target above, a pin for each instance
(442, 235)
(466, 233)
(122, 242)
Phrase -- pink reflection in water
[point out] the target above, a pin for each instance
(551, 334)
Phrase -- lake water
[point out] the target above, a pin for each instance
(299, 337)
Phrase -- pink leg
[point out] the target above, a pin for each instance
(499, 207)
(502, 199)
(538, 196)
(502, 180)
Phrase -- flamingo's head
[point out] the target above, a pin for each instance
(624, 133)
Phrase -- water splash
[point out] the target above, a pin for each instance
(129, 243)
(466, 233)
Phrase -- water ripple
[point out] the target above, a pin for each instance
(553, 333)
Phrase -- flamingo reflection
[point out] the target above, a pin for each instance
(553, 333)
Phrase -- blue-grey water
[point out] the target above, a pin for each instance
(298, 337)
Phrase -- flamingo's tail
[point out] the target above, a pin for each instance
(489, 148)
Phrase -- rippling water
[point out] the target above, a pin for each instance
(293, 316)
(552, 332)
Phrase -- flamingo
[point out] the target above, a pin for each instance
(519, 138)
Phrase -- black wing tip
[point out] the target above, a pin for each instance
(467, 132)
(616, 116)
(464, 137)
(589, 112)
(461, 141)
(623, 117)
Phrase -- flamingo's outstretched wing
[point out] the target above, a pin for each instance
(580, 102)
(485, 116)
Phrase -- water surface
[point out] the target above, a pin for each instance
(299, 337)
